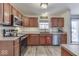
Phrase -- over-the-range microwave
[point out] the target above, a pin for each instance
(15, 21)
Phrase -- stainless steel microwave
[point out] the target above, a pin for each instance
(16, 21)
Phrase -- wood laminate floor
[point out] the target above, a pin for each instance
(42, 51)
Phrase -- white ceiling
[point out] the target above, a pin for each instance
(52, 9)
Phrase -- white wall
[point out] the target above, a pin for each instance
(66, 28)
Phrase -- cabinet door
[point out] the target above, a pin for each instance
(6, 48)
(17, 47)
(33, 21)
(1, 13)
(42, 40)
(49, 39)
(61, 22)
(63, 39)
(54, 22)
(33, 39)
(7, 13)
(14, 12)
(25, 22)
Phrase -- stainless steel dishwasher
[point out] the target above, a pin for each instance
(56, 39)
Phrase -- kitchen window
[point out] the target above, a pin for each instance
(44, 26)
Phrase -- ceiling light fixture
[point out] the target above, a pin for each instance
(44, 5)
(44, 14)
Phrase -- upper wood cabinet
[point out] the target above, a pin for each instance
(7, 13)
(25, 21)
(57, 22)
(14, 11)
(61, 22)
(33, 21)
(1, 13)
(19, 15)
(54, 22)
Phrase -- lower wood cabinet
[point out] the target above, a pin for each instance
(6, 48)
(39, 39)
(33, 39)
(49, 39)
(63, 39)
(9, 48)
(42, 39)
(45, 39)
(16, 47)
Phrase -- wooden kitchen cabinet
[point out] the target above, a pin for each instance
(61, 22)
(9, 48)
(63, 39)
(33, 39)
(1, 13)
(25, 22)
(42, 39)
(57, 22)
(45, 39)
(33, 21)
(7, 13)
(19, 15)
(49, 39)
(6, 48)
(14, 12)
(16, 48)
(54, 22)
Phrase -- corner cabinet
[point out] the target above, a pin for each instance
(7, 13)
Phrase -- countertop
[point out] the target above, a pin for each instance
(11, 38)
(8, 38)
(49, 33)
(72, 48)
(22, 34)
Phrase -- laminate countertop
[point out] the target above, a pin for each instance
(73, 49)
(11, 38)
(8, 38)
(49, 33)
